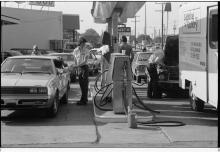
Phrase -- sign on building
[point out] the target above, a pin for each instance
(42, 3)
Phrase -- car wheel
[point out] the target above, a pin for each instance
(52, 111)
(66, 96)
(195, 103)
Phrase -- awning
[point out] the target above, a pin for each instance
(101, 11)
(7, 20)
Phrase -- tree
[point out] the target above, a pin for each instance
(143, 37)
(92, 37)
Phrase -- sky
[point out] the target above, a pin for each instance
(83, 8)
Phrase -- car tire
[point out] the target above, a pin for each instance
(195, 103)
(66, 95)
(53, 110)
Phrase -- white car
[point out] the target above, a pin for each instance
(139, 65)
(34, 82)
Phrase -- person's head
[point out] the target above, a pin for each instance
(82, 42)
(106, 39)
(35, 47)
(124, 39)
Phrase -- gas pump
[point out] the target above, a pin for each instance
(121, 76)
(119, 87)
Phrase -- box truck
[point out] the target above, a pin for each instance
(198, 52)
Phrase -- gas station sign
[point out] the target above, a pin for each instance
(124, 29)
(42, 3)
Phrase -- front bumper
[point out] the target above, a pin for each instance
(12, 102)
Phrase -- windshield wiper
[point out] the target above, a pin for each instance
(36, 72)
(10, 72)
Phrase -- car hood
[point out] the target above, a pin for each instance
(25, 79)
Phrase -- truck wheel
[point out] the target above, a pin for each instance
(52, 111)
(138, 79)
(195, 103)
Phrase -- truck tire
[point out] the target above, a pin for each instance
(195, 103)
(53, 110)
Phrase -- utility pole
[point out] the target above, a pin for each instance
(162, 26)
(135, 29)
(162, 20)
(145, 25)
(174, 27)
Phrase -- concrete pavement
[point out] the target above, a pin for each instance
(75, 127)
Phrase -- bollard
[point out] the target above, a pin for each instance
(132, 120)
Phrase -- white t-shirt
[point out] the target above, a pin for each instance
(81, 54)
(104, 49)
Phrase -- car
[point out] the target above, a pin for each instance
(94, 64)
(9, 53)
(70, 60)
(139, 64)
(34, 82)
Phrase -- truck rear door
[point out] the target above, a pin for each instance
(212, 55)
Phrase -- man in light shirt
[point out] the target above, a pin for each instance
(81, 54)
(35, 51)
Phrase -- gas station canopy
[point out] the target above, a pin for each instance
(7, 20)
(101, 11)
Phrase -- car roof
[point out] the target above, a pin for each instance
(34, 57)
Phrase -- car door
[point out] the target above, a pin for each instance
(213, 55)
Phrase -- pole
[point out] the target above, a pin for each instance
(135, 32)
(162, 26)
(145, 25)
(167, 23)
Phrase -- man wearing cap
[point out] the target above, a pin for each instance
(35, 51)
(81, 53)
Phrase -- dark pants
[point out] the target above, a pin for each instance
(152, 69)
(84, 82)
(153, 84)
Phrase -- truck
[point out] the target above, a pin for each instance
(198, 53)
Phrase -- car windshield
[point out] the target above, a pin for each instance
(144, 56)
(27, 65)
